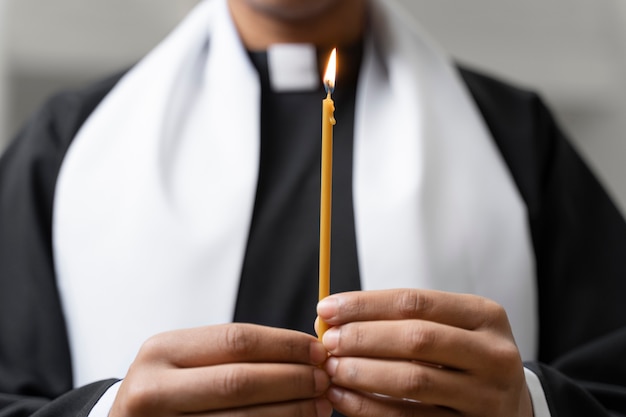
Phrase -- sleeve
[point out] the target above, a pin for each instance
(76, 403)
(103, 406)
(537, 394)
(35, 368)
(579, 239)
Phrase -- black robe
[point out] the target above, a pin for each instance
(579, 240)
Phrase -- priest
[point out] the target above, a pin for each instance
(159, 234)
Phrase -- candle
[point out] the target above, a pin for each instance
(328, 121)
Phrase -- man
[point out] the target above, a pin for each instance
(179, 196)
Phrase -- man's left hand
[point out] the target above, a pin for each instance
(419, 352)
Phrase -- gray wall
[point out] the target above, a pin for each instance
(53, 44)
(3, 80)
(572, 51)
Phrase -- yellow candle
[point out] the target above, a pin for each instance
(328, 121)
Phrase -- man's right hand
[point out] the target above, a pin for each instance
(238, 369)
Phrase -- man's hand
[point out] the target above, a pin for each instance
(235, 369)
(424, 353)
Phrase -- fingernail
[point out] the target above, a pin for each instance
(318, 353)
(323, 407)
(331, 365)
(322, 381)
(327, 308)
(331, 339)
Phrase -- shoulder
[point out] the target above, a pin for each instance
(30, 164)
(510, 111)
(484, 86)
(39, 148)
(522, 127)
(63, 114)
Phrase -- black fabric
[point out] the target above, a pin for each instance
(577, 232)
(580, 248)
(77, 402)
(279, 279)
(34, 353)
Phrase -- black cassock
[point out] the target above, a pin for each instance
(579, 240)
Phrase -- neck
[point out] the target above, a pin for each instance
(339, 23)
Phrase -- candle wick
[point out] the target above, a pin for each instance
(329, 87)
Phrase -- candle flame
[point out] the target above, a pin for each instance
(331, 72)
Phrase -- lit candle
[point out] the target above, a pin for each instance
(328, 121)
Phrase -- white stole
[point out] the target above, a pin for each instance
(155, 196)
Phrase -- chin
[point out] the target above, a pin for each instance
(292, 9)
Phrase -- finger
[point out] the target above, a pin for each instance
(316, 326)
(404, 380)
(353, 403)
(218, 387)
(459, 310)
(231, 343)
(422, 341)
(319, 407)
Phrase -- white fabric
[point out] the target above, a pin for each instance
(155, 196)
(537, 395)
(102, 408)
(435, 205)
(293, 67)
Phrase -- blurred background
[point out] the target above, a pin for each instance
(572, 51)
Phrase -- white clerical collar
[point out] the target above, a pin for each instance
(293, 67)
